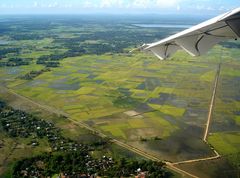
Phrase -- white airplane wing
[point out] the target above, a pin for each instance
(198, 39)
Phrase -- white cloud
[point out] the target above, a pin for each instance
(35, 4)
(145, 4)
(203, 7)
(111, 3)
(167, 3)
(200, 7)
(222, 8)
(135, 4)
(68, 5)
(141, 4)
(178, 7)
(210, 8)
(105, 4)
(88, 4)
(52, 5)
(3, 5)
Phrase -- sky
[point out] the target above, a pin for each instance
(117, 6)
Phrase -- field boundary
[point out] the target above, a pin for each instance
(171, 166)
(97, 132)
(209, 118)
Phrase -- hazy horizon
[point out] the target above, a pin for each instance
(73, 7)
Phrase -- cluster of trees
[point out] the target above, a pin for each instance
(2, 105)
(49, 63)
(75, 51)
(142, 139)
(113, 41)
(5, 51)
(113, 37)
(51, 57)
(33, 74)
(72, 164)
(51, 60)
(52, 64)
(16, 62)
(127, 168)
(68, 157)
(17, 123)
(26, 36)
(20, 124)
(77, 164)
(126, 101)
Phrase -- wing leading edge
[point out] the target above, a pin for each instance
(198, 39)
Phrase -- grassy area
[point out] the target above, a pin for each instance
(15, 149)
(169, 110)
(225, 143)
(208, 76)
(166, 127)
(225, 133)
(137, 123)
(116, 130)
(237, 120)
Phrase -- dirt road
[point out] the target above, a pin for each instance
(212, 103)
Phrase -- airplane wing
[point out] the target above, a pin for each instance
(198, 39)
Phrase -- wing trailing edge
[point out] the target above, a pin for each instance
(198, 39)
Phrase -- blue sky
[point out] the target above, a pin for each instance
(117, 6)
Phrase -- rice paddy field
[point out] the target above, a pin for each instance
(160, 107)
(225, 127)
(130, 97)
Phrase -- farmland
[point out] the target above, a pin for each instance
(164, 96)
(159, 107)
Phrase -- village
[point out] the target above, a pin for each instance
(67, 157)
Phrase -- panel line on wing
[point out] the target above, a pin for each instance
(196, 45)
(166, 50)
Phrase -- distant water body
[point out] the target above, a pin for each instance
(163, 25)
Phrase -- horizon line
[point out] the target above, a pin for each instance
(110, 13)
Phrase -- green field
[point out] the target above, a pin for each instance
(225, 127)
(160, 107)
(125, 83)
(225, 143)
(178, 90)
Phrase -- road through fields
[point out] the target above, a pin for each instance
(97, 132)
(212, 103)
(171, 166)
